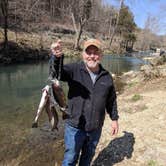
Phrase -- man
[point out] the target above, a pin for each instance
(91, 92)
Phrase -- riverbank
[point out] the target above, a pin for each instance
(141, 140)
(26, 47)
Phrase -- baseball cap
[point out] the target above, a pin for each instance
(93, 42)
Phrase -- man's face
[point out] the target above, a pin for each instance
(92, 57)
(57, 49)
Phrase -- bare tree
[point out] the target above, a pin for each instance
(80, 12)
(152, 24)
(4, 10)
(147, 38)
(116, 22)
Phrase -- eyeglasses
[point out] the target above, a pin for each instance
(92, 52)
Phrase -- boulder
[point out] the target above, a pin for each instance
(160, 60)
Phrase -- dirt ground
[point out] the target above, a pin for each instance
(141, 140)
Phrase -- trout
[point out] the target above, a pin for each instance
(59, 97)
(52, 115)
(50, 109)
(41, 106)
(52, 95)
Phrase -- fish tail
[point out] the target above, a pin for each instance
(34, 125)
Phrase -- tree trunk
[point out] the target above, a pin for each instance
(75, 28)
(116, 24)
(132, 45)
(78, 37)
(5, 32)
(4, 7)
(78, 31)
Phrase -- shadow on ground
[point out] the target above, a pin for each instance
(116, 151)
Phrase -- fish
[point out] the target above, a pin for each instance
(52, 115)
(41, 106)
(52, 95)
(59, 96)
(50, 110)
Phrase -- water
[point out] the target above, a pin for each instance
(20, 92)
(120, 64)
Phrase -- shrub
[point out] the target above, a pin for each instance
(136, 97)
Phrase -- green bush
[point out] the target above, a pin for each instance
(131, 84)
(152, 163)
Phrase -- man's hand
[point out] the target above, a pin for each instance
(114, 127)
(56, 48)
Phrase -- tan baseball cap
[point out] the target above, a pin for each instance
(92, 42)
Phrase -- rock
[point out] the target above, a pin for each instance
(150, 72)
(160, 60)
(128, 76)
(146, 68)
(119, 84)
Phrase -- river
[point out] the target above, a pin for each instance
(20, 92)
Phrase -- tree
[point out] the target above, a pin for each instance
(130, 39)
(4, 10)
(147, 37)
(152, 24)
(126, 28)
(115, 22)
(80, 13)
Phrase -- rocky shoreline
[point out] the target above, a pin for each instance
(141, 140)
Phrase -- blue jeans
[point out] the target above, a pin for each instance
(76, 141)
